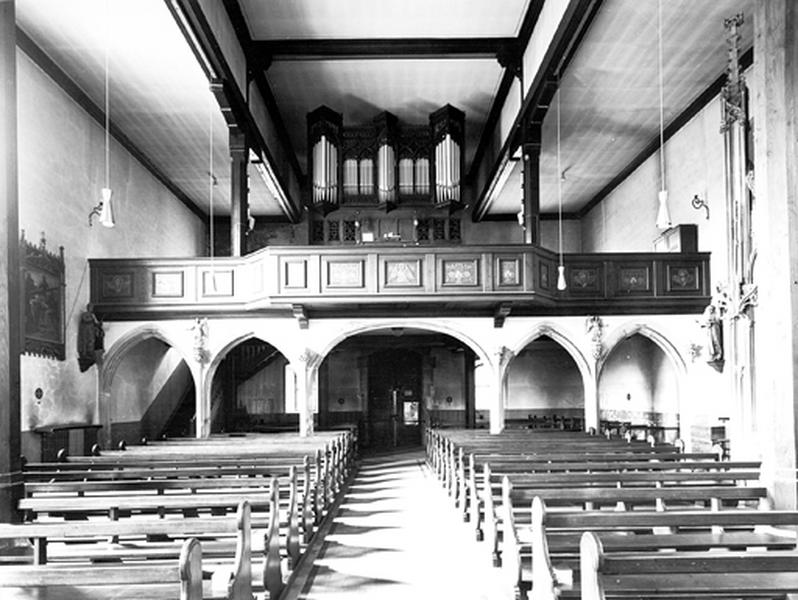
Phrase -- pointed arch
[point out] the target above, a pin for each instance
(627, 330)
(549, 329)
(117, 352)
(219, 355)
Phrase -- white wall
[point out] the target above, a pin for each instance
(61, 171)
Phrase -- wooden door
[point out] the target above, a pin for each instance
(394, 399)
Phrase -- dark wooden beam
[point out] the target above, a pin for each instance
(525, 33)
(577, 20)
(257, 75)
(196, 28)
(704, 98)
(46, 64)
(320, 49)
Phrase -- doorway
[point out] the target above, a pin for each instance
(394, 411)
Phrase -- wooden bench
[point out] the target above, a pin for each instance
(182, 580)
(532, 552)
(136, 578)
(695, 575)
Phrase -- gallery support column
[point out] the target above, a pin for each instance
(10, 333)
(239, 192)
(503, 357)
(775, 116)
(307, 389)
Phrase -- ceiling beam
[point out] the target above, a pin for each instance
(575, 23)
(375, 48)
(525, 33)
(704, 98)
(73, 90)
(197, 30)
(256, 74)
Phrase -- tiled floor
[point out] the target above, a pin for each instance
(396, 535)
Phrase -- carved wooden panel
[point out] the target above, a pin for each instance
(508, 272)
(584, 278)
(682, 278)
(167, 284)
(116, 286)
(402, 273)
(345, 274)
(634, 279)
(544, 276)
(460, 272)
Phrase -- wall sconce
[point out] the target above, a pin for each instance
(698, 203)
(104, 210)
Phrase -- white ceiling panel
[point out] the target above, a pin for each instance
(350, 19)
(159, 96)
(411, 89)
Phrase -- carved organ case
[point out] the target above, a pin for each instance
(385, 164)
(324, 143)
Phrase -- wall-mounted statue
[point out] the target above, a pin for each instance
(90, 339)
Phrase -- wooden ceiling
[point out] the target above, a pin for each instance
(361, 57)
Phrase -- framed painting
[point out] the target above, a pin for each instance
(43, 285)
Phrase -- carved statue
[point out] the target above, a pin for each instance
(595, 330)
(90, 339)
(713, 327)
(200, 328)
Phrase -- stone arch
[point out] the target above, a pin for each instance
(627, 330)
(619, 334)
(113, 359)
(116, 353)
(416, 324)
(219, 355)
(562, 338)
(559, 336)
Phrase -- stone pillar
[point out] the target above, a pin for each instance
(10, 333)
(307, 390)
(469, 359)
(503, 357)
(531, 182)
(591, 402)
(203, 387)
(775, 85)
(239, 192)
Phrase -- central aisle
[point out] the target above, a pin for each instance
(396, 535)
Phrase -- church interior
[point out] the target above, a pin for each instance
(283, 276)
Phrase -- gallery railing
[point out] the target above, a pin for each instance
(374, 279)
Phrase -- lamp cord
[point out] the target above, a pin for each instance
(210, 175)
(661, 98)
(559, 175)
(107, 102)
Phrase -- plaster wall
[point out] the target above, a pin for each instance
(61, 171)
(264, 392)
(544, 379)
(140, 377)
(637, 384)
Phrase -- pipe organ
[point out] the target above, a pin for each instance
(324, 141)
(385, 164)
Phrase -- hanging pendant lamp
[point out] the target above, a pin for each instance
(104, 210)
(663, 213)
(561, 285)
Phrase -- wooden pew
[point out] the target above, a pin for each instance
(183, 580)
(86, 542)
(694, 575)
(544, 554)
